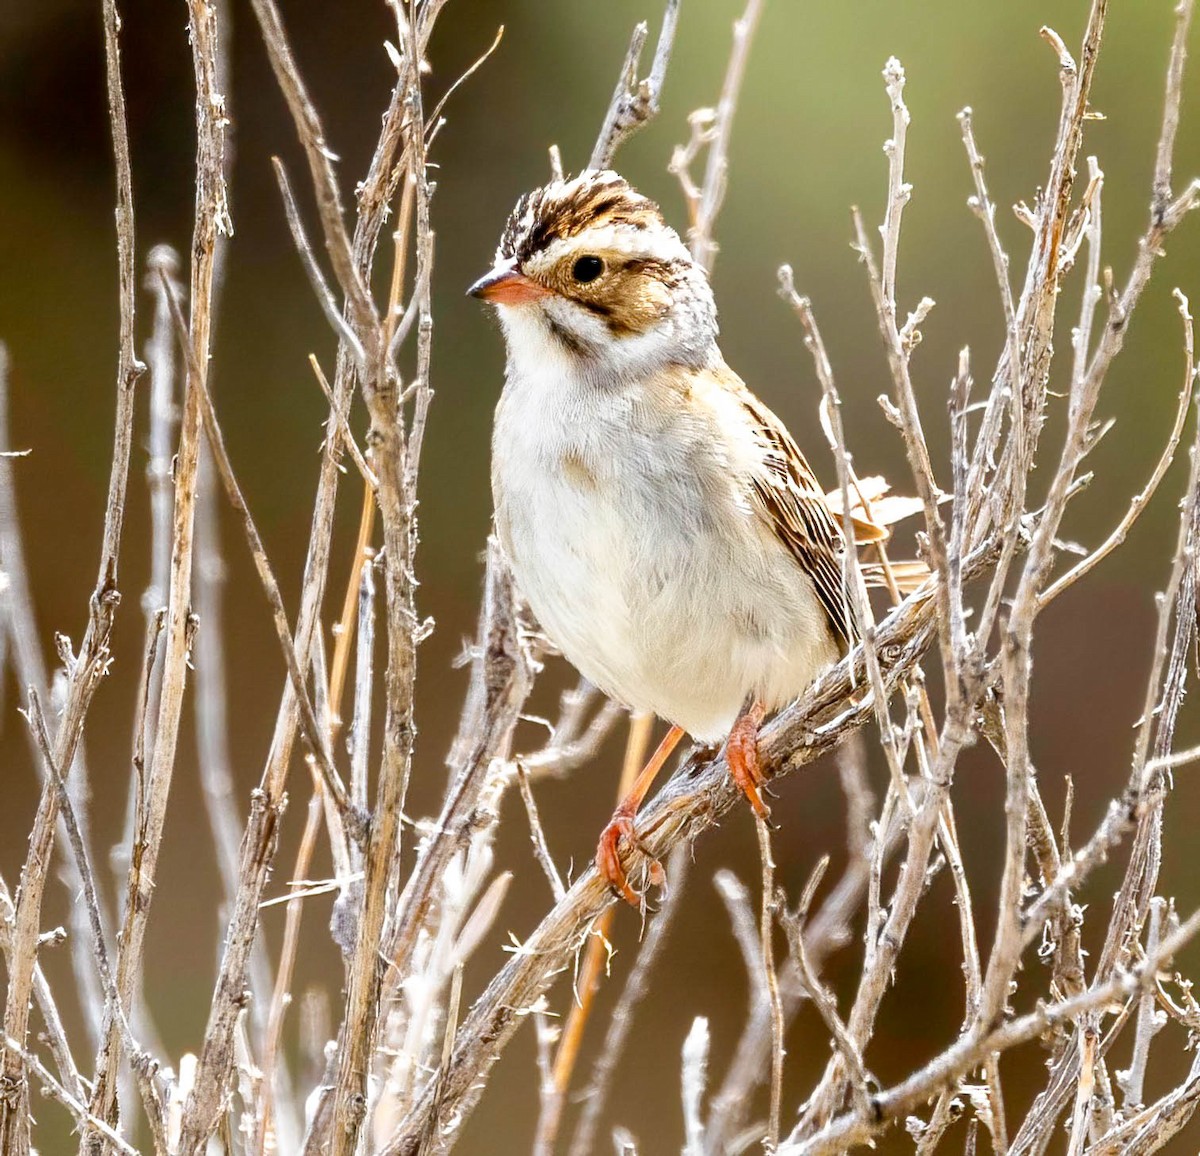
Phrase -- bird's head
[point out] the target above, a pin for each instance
(587, 269)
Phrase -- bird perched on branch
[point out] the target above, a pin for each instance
(659, 519)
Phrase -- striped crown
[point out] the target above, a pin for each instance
(565, 208)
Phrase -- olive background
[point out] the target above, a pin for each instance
(806, 146)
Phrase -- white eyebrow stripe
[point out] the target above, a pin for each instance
(660, 244)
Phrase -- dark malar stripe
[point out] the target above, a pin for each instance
(568, 339)
(616, 326)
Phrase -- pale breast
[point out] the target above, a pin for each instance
(627, 534)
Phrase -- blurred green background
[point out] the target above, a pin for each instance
(806, 146)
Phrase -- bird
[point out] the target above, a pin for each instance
(659, 520)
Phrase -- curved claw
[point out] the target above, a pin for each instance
(608, 859)
(741, 752)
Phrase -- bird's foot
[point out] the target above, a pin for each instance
(741, 753)
(608, 858)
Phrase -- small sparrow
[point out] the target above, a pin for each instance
(659, 519)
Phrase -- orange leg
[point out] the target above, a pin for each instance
(741, 752)
(608, 861)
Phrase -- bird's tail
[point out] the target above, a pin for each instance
(909, 574)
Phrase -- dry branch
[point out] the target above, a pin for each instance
(88, 667)
(634, 101)
(393, 1065)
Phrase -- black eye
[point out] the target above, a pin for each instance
(587, 269)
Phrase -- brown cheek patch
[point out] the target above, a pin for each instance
(635, 303)
(629, 297)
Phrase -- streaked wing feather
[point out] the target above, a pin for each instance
(794, 506)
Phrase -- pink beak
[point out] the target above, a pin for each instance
(506, 285)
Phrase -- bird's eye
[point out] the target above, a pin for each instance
(587, 269)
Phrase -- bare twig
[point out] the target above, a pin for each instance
(1142, 498)
(162, 269)
(392, 1069)
(823, 1000)
(56, 1036)
(770, 983)
(888, 1105)
(83, 1118)
(308, 716)
(595, 1095)
(25, 652)
(634, 102)
(89, 666)
(713, 131)
(211, 218)
(347, 437)
(112, 1000)
(574, 739)
(1149, 1021)
(595, 961)
(694, 799)
(694, 1078)
(541, 850)
(827, 931)
(320, 289)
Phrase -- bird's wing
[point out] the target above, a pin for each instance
(786, 495)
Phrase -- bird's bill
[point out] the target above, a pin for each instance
(507, 285)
